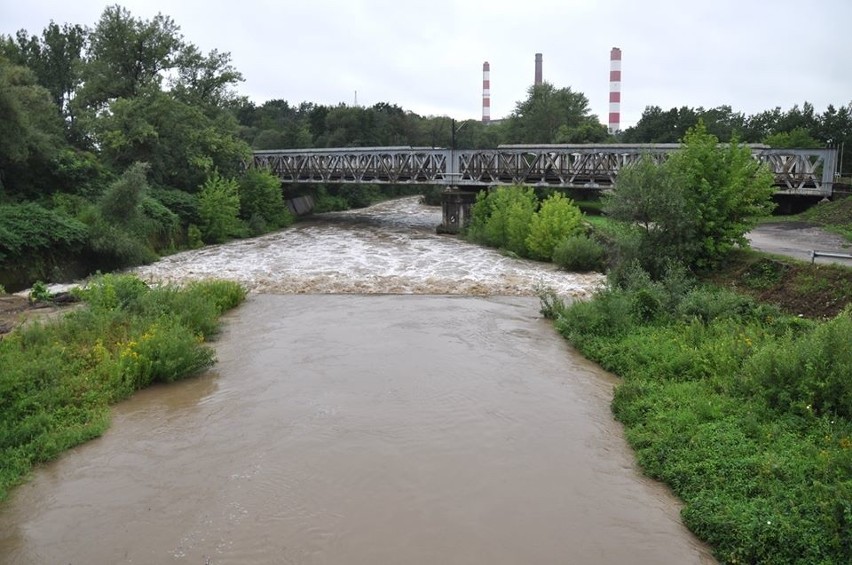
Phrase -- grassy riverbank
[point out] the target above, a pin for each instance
(58, 379)
(745, 411)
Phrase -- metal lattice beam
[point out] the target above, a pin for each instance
(797, 171)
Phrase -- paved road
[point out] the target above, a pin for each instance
(798, 239)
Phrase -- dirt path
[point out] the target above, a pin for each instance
(16, 310)
(797, 240)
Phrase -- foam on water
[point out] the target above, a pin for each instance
(390, 248)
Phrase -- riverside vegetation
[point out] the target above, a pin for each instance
(743, 410)
(57, 380)
(743, 407)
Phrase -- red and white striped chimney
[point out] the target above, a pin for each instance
(538, 76)
(614, 90)
(486, 92)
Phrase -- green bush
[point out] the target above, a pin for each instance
(113, 292)
(160, 225)
(502, 218)
(580, 253)
(120, 204)
(193, 237)
(114, 247)
(262, 202)
(695, 207)
(551, 304)
(39, 293)
(746, 413)
(219, 208)
(610, 314)
(811, 371)
(324, 201)
(128, 226)
(182, 203)
(28, 230)
(558, 218)
(58, 379)
(358, 195)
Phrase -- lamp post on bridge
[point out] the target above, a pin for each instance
(454, 169)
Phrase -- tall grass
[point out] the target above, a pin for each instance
(745, 412)
(58, 379)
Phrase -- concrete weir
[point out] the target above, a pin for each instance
(456, 206)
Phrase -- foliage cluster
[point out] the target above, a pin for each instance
(219, 209)
(744, 411)
(695, 207)
(81, 110)
(58, 379)
(800, 126)
(262, 204)
(28, 229)
(512, 219)
(580, 253)
(334, 198)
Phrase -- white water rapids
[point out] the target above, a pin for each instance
(390, 248)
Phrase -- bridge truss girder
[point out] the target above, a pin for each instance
(797, 171)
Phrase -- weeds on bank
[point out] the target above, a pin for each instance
(58, 379)
(744, 411)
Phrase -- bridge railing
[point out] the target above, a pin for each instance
(797, 171)
(391, 165)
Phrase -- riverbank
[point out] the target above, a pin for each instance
(743, 410)
(59, 378)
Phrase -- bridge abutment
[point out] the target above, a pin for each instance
(456, 206)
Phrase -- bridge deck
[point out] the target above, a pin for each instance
(797, 171)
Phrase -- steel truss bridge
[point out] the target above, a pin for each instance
(807, 172)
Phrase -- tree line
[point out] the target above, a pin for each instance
(123, 141)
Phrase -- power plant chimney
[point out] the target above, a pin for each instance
(614, 90)
(486, 92)
(537, 69)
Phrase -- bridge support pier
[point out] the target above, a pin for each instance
(456, 208)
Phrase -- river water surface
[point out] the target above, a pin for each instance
(365, 409)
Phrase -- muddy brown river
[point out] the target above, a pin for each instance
(366, 428)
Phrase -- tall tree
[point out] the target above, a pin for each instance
(553, 115)
(205, 79)
(54, 58)
(661, 126)
(30, 132)
(182, 144)
(127, 55)
(695, 207)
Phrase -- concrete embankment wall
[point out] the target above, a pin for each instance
(301, 205)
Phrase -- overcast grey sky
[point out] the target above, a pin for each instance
(426, 56)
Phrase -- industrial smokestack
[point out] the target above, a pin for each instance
(537, 69)
(486, 92)
(614, 90)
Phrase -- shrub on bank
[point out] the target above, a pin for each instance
(579, 253)
(558, 218)
(58, 379)
(510, 218)
(502, 218)
(262, 202)
(743, 411)
(219, 208)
